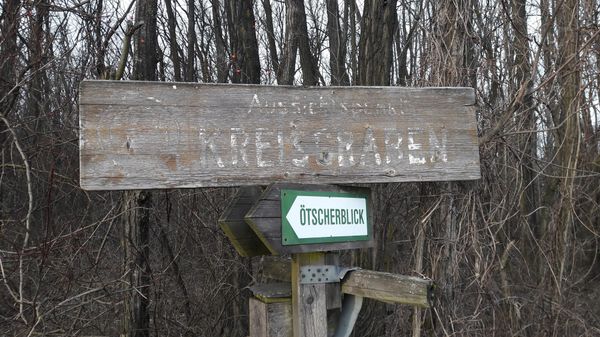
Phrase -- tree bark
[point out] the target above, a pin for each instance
(8, 63)
(219, 43)
(173, 45)
(353, 46)
(296, 38)
(37, 58)
(244, 46)
(190, 69)
(521, 86)
(337, 47)
(288, 62)
(8, 55)
(525, 112)
(568, 142)
(450, 67)
(376, 41)
(137, 204)
(271, 36)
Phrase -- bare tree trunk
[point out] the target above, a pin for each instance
(450, 67)
(551, 185)
(244, 46)
(300, 30)
(137, 204)
(190, 69)
(271, 36)
(288, 62)
(8, 62)
(8, 56)
(37, 58)
(203, 47)
(353, 47)
(337, 47)
(173, 45)
(221, 57)
(136, 320)
(376, 41)
(524, 112)
(569, 135)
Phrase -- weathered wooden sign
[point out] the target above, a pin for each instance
(268, 221)
(321, 217)
(136, 135)
(232, 222)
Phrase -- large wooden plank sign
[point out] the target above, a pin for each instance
(136, 135)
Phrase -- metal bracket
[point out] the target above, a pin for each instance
(329, 273)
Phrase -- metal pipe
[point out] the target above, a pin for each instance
(350, 309)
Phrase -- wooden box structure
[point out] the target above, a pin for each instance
(270, 310)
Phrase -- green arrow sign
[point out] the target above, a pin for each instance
(322, 217)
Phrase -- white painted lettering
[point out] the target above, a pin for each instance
(208, 142)
(345, 156)
(296, 139)
(261, 145)
(324, 155)
(393, 145)
(369, 148)
(254, 103)
(239, 143)
(415, 153)
(437, 148)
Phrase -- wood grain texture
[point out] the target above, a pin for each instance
(309, 307)
(257, 317)
(333, 291)
(275, 268)
(232, 222)
(272, 292)
(270, 319)
(265, 219)
(144, 135)
(388, 287)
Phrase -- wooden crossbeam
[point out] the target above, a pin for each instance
(381, 286)
(387, 287)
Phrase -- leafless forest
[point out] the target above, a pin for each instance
(513, 254)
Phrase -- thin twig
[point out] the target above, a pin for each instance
(27, 217)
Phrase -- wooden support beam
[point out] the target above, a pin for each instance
(309, 303)
(387, 287)
(242, 237)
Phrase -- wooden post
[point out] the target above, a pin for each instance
(269, 319)
(270, 310)
(309, 303)
(333, 293)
